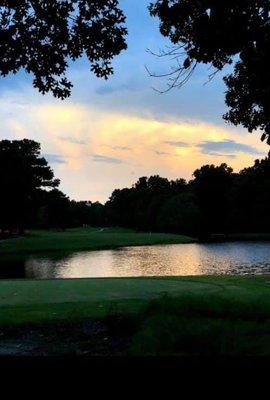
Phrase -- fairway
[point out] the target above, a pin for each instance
(85, 239)
(29, 301)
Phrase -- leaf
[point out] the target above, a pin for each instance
(187, 63)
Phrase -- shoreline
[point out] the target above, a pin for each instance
(84, 239)
(236, 237)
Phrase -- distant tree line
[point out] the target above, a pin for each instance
(216, 200)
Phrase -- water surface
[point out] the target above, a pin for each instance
(238, 258)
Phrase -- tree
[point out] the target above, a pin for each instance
(223, 32)
(211, 187)
(138, 207)
(55, 211)
(23, 174)
(120, 208)
(180, 214)
(87, 213)
(97, 215)
(250, 197)
(42, 36)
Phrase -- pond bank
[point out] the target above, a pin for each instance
(235, 237)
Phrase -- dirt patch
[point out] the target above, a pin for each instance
(88, 338)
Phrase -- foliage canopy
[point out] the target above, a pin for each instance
(220, 33)
(42, 36)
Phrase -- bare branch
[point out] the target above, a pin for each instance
(211, 77)
(178, 76)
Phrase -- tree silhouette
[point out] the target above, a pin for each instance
(23, 173)
(211, 186)
(55, 210)
(249, 198)
(180, 214)
(42, 36)
(222, 32)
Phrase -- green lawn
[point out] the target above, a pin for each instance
(48, 300)
(187, 315)
(85, 239)
(27, 301)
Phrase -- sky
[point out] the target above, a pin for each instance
(110, 133)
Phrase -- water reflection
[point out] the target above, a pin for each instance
(188, 259)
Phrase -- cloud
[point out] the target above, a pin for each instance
(72, 140)
(227, 146)
(161, 153)
(230, 156)
(54, 159)
(124, 148)
(114, 140)
(105, 159)
(177, 143)
(104, 90)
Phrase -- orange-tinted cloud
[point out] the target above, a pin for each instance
(103, 150)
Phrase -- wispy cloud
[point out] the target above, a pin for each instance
(105, 159)
(177, 143)
(72, 140)
(54, 159)
(230, 156)
(227, 146)
(161, 153)
(124, 148)
(105, 90)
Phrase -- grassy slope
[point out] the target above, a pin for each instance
(85, 239)
(28, 301)
(155, 316)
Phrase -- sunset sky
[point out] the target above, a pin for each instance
(109, 133)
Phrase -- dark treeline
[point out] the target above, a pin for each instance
(30, 197)
(216, 200)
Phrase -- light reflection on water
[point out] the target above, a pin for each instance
(186, 259)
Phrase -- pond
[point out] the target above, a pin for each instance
(238, 258)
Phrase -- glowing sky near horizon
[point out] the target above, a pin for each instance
(108, 134)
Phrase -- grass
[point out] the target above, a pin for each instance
(173, 315)
(85, 239)
(214, 325)
(35, 301)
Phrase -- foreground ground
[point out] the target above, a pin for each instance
(141, 316)
(85, 239)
